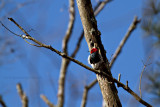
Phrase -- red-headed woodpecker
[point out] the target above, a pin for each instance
(94, 59)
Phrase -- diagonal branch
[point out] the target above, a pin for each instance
(45, 99)
(125, 87)
(100, 6)
(86, 89)
(2, 102)
(123, 41)
(22, 95)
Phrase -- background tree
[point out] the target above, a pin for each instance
(151, 29)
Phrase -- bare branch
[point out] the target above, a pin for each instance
(45, 99)
(126, 87)
(2, 102)
(65, 62)
(22, 95)
(70, 25)
(123, 41)
(78, 45)
(119, 78)
(142, 74)
(58, 52)
(100, 6)
(95, 71)
(85, 93)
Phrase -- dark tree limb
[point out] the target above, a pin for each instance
(2, 102)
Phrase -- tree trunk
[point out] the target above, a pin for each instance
(92, 36)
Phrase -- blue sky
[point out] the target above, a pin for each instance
(37, 69)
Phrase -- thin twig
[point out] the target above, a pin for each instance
(100, 6)
(119, 78)
(11, 19)
(145, 64)
(93, 70)
(123, 41)
(45, 99)
(78, 45)
(65, 62)
(22, 95)
(2, 102)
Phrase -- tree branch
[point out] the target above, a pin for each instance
(123, 41)
(85, 93)
(45, 99)
(145, 64)
(65, 62)
(95, 71)
(2, 102)
(22, 95)
(70, 26)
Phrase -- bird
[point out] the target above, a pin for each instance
(95, 59)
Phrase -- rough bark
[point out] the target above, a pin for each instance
(92, 36)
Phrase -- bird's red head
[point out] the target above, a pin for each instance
(93, 50)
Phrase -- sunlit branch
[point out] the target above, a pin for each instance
(65, 62)
(45, 99)
(123, 41)
(22, 95)
(85, 93)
